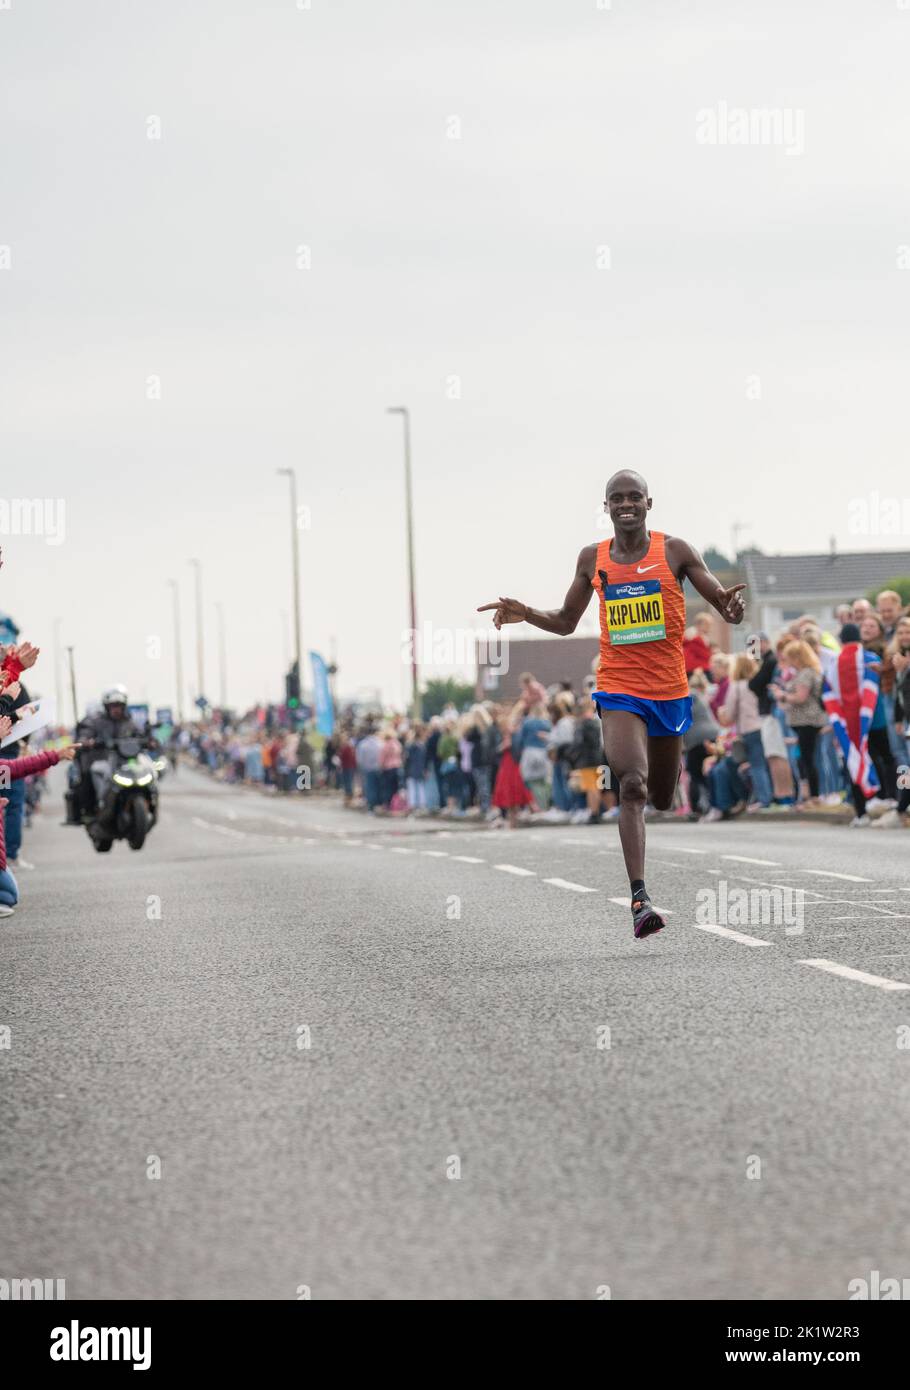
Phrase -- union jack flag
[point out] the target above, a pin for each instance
(849, 695)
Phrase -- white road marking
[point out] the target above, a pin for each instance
(681, 850)
(873, 911)
(830, 873)
(819, 898)
(219, 829)
(435, 853)
(744, 859)
(514, 869)
(731, 935)
(350, 842)
(375, 846)
(468, 859)
(564, 883)
(848, 973)
(397, 849)
(625, 902)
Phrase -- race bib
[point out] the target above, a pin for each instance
(635, 612)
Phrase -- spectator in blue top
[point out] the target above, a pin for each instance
(531, 749)
(415, 766)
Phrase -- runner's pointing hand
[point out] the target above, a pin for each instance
(731, 604)
(508, 610)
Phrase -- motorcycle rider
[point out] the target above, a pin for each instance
(92, 772)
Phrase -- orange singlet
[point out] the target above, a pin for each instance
(642, 620)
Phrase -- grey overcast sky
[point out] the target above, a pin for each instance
(512, 226)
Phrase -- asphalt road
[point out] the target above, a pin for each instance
(371, 1061)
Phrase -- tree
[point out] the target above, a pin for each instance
(439, 693)
(715, 560)
(900, 585)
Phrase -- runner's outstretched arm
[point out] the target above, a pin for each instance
(688, 564)
(562, 620)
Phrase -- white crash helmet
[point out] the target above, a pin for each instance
(115, 696)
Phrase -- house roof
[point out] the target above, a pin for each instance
(550, 659)
(846, 575)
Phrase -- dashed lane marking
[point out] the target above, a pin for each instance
(219, 829)
(435, 853)
(514, 869)
(468, 859)
(745, 859)
(848, 973)
(731, 935)
(573, 887)
(830, 873)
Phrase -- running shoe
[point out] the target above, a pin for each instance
(646, 920)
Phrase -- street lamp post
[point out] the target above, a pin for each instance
(200, 655)
(178, 649)
(402, 410)
(222, 657)
(295, 555)
(73, 687)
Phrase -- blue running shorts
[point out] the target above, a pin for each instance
(663, 718)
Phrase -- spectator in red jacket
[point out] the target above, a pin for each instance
(696, 644)
(12, 771)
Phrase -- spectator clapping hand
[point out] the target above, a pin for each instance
(25, 654)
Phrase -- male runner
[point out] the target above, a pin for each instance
(642, 690)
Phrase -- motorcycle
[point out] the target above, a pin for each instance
(130, 807)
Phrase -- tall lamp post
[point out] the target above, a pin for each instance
(200, 655)
(295, 557)
(222, 657)
(73, 686)
(402, 410)
(178, 649)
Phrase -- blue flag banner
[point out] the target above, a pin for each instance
(325, 714)
(9, 632)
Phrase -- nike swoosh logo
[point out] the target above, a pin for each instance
(679, 726)
(646, 568)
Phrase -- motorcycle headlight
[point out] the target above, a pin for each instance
(122, 781)
(144, 781)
